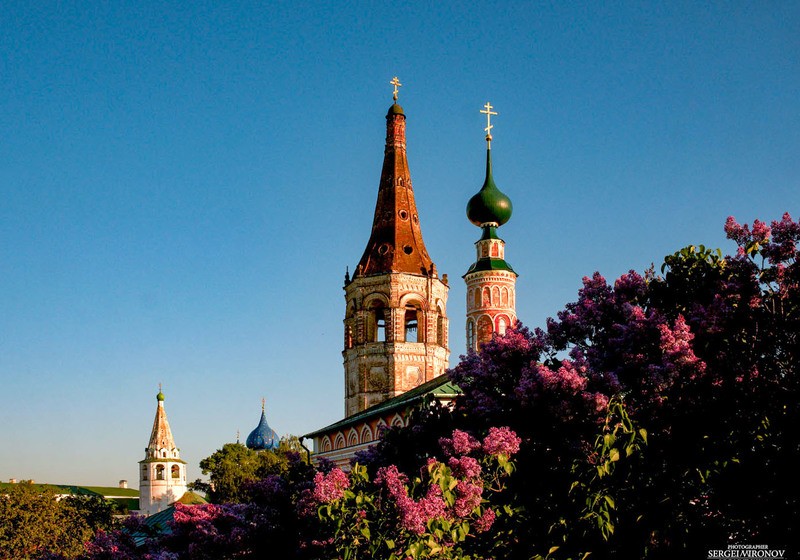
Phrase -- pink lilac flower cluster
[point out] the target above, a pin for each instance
(566, 378)
(501, 441)
(743, 235)
(785, 237)
(464, 467)
(485, 521)
(414, 514)
(468, 497)
(461, 443)
(330, 487)
(676, 344)
(205, 513)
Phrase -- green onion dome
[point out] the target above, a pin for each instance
(160, 397)
(489, 205)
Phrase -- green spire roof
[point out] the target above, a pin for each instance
(489, 205)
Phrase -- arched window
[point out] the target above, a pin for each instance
(376, 319)
(411, 325)
(484, 329)
(159, 472)
(380, 324)
(504, 296)
(486, 298)
(144, 472)
(477, 298)
(440, 328)
(495, 250)
(366, 434)
(352, 437)
(338, 443)
(326, 444)
(495, 296)
(470, 334)
(176, 471)
(501, 326)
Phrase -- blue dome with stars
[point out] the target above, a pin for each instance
(263, 437)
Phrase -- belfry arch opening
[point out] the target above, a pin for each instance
(376, 322)
(411, 325)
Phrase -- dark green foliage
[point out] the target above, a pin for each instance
(34, 521)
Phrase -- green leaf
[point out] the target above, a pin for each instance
(610, 502)
(643, 433)
(614, 455)
(552, 550)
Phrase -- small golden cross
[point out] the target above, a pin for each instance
(396, 83)
(488, 112)
(263, 403)
(159, 387)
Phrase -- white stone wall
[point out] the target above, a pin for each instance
(157, 494)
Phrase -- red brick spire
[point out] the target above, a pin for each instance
(395, 244)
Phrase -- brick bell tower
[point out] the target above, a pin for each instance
(491, 282)
(395, 326)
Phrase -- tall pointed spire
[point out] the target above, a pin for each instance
(395, 327)
(161, 436)
(162, 473)
(395, 244)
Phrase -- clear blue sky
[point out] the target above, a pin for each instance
(182, 187)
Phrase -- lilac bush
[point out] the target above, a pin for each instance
(432, 516)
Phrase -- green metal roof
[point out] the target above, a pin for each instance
(103, 491)
(192, 499)
(489, 264)
(438, 387)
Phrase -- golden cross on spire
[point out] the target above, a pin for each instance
(396, 83)
(159, 387)
(488, 112)
(263, 403)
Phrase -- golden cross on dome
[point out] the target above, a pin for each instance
(488, 112)
(396, 83)
(263, 403)
(159, 387)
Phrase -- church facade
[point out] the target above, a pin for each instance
(396, 342)
(162, 472)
